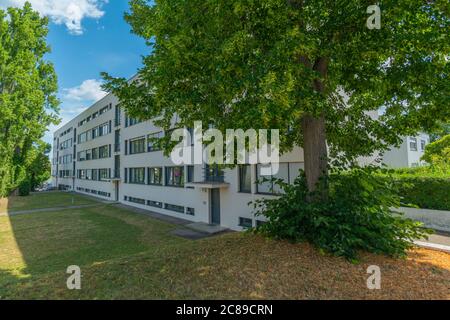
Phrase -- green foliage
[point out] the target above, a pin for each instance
(441, 130)
(437, 153)
(423, 171)
(38, 164)
(24, 187)
(356, 216)
(254, 64)
(28, 86)
(425, 187)
(425, 192)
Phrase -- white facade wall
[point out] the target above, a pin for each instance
(406, 155)
(117, 187)
(233, 204)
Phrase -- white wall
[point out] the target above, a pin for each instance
(233, 204)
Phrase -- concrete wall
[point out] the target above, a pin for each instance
(233, 204)
(405, 156)
(434, 219)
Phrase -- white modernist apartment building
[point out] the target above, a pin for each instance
(104, 153)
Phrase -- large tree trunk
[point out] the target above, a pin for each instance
(315, 153)
(315, 140)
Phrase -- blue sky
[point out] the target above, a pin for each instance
(86, 38)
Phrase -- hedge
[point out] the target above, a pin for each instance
(425, 192)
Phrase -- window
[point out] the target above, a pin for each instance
(422, 144)
(103, 110)
(133, 121)
(64, 173)
(191, 135)
(173, 207)
(94, 153)
(88, 174)
(413, 144)
(95, 174)
(190, 211)
(82, 156)
(104, 194)
(190, 173)
(103, 174)
(155, 204)
(117, 141)
(287, 172)
(136, 200)
(137, 145)
(81, 174)
(175, 176)
(245, 182)
(155, 176)
(88, 154)
(95, 133)
(151, 140)
(103, 152)
(117, 117)
(245, 222)
(137, 175)
(83, 137)
(104, 129)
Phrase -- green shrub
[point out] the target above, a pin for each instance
(356, 216)
(424, 192)
(24, 188)
(426, 187)
(438, 152)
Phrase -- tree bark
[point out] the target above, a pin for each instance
(314, 141)
(315, 153)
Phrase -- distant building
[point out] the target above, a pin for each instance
(408, 154)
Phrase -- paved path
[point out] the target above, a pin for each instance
(13, 213)
(438, 241)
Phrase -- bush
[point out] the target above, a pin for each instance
(424, 192)
(356, 216)
(24, 188)
(438, 152)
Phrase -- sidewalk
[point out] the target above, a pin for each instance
(438, 241)
(13, 213)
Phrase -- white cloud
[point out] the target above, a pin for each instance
(89, 90)
(67, 12)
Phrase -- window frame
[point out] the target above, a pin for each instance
(413, 144)
(136, 141)
(132, 175)
(171, 177)
(240, 180)
(151, 174)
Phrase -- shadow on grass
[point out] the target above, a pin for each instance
(126, 255)
(37, 244)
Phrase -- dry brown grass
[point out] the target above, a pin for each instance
(123, 255)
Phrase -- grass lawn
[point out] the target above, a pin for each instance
(124, 255)
(43, 200)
